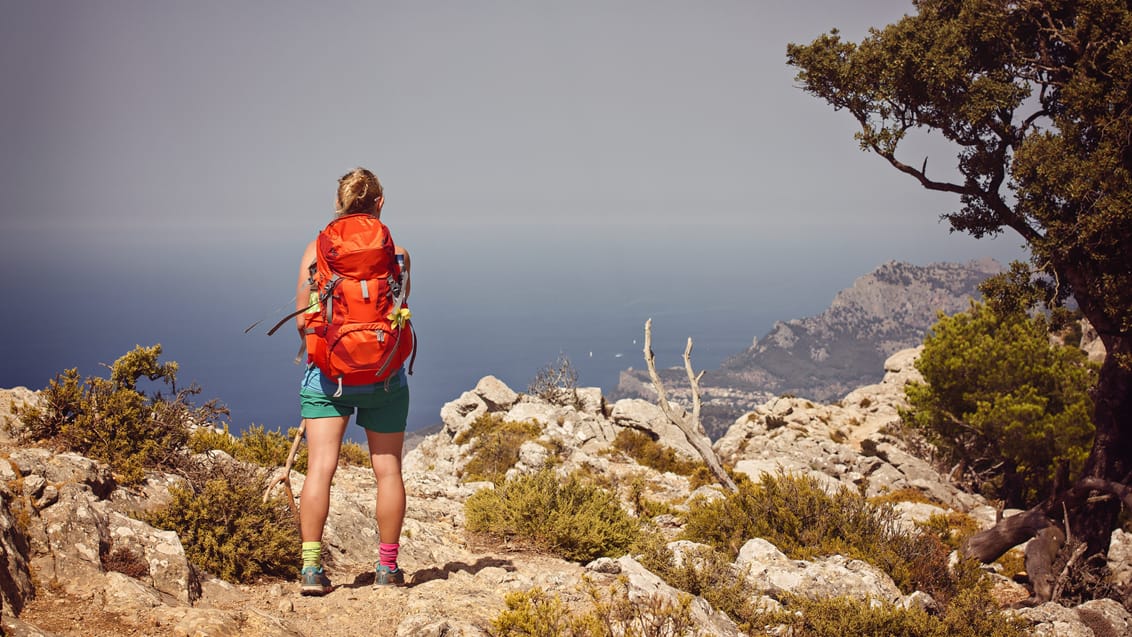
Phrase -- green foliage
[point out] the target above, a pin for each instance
(205, 439)
(352, 454)
(952, 528)
(573, 519)
(229, 531)
(648, 452)
(1033, 98)
(495, 446)
(114, 421)
(999, 397)
(257, 445)
(610, 613)
(972, 613)
(636, 488)
(269, 448)
(797, 515)
(557, 383)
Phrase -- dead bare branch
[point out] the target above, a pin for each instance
(693, 430)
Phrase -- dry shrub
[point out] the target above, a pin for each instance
(125, 561)
(353, 454)
(495, 446)
(799, 517)
(607, 611)
(229, 531)
(557, 383)
(972, 613)
(569, 517)
(641, 447)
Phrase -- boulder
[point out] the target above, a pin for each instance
(13, 404)
(634, 413)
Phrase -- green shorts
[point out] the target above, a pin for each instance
(381, 407)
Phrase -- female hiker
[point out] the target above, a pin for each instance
(328, 400)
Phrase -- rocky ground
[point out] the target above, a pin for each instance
(58, 507)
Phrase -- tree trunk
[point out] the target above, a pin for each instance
(1093, 519)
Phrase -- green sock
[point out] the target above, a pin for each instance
(312, 554)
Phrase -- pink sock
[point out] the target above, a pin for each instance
(387, 555)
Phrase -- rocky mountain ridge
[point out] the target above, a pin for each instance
(825, 356)
(60, 513)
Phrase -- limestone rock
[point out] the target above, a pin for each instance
(1096, 617)
(644, 586)
(495, 394)
(15, 577)
(633, 413)
(13, 404)
(770, 571)
(169, 570)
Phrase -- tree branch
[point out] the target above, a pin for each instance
(693, 431)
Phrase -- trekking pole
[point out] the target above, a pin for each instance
(285, 476)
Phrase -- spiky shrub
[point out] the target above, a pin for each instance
(607, 611)
(569, 517)
(648, 452)
(113, 420)
(228, 529)
(495, 444)
(972, 613)
(798, 516)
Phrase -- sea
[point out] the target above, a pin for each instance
(486, 301)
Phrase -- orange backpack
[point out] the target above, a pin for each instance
(358, 329)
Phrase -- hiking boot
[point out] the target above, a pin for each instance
(386, 576)
(315, 581)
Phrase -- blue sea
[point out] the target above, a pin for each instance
(486, 300)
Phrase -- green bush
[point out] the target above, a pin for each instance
(114, 421)
(257, 445)
(609, 611)
(972, 613)
(229, 531)
(495, 446)
(573, 519)
(641, 447)
(796, 515)
(1000, 398)
(270, 448)
(353, 454)
(204, 439)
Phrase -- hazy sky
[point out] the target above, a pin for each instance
(206, 137)
(173, 119)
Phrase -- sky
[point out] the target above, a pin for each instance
(556, 170)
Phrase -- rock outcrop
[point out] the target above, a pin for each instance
(824, 357)
(61, 515)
